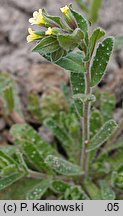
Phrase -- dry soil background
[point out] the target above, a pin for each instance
(15, 53)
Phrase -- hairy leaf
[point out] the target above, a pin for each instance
(75, 193)
(70, 41)
(46, 45)
(29, 141)
(72, 62)
(7, 170)
(103, 135)
(106, 192)
(34, 107)
(59, 132)
(81, 21)
(101, 60)
(96, 122)
(83, 97)
(96, 35)
(8, 90)
(62, 166)
(116, 160)
(53, 20)
(107, 105)
(57, 55)
(115, 146)
(10, 179)
(5, 159)
(117, 177)
(38, 191)
(78, 87)
(59, 186)
(92, 190)
(9, 98)
(19, 189)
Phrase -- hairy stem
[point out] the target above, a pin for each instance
(86, 123)
(38, 175)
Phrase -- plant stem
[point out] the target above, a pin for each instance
(38, 175)
(86, 123)
(16, 118)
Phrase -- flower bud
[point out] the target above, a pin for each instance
(68, 17)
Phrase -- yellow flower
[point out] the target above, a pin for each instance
(38, 18)
(32, 36)
(49, 31)
(64, 10)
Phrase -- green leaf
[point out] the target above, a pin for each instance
(84, 98)
(118, 42)
(9, 98)
(75, 193)
(59, 186)
(29, 134)
(92, 190)
(10, 179)
(107, 105)
(34, 107)
(46, 45)
(8, 165)
(81, 21)
(29, 141)
(19, 189)
(96, 122)
(101, 60)
(78, 87)
(6, 159)
(8, 91)
(57, 55)
(59, 132)
(94, 10)
(62, 166)
(72, 62)
(100, 166)
(116, 160)
(7, 170)
(39, 190)
(96, 35)
(106, 192)
(116, 145)
(70, 122)
(18, 156)
(53, 20)
(103, 135)
(117, 177)
(71, 41)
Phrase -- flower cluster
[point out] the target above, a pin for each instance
(53, 25)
